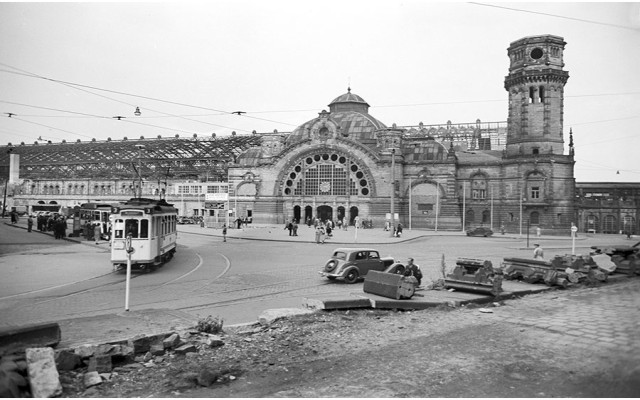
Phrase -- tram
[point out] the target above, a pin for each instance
(94, 213)
(147, 229)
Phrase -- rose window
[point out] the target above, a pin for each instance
(326, 175)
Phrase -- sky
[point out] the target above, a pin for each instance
(69, 70)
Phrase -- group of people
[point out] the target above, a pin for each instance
(292, 226)
(241, 221)
(397, 230)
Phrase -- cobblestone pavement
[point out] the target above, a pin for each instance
(565, 343)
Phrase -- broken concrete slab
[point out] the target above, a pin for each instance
(37, 335)
(43, 375)
(270, 316)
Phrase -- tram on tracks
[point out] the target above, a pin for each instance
(145, 228)
(94, 213)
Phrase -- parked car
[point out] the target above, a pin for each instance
(352, 264)
(185, 220)
(480, 231)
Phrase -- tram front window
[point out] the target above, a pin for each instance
(131, 227)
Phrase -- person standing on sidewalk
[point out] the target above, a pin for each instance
(29, 224)
(224, 232)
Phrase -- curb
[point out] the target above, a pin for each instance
(39, 335)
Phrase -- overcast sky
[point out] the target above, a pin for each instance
(67, 69)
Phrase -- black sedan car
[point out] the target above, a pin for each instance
(480, 231)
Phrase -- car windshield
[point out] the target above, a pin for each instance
(341, 255)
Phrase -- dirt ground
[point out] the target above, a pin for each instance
(441, 352)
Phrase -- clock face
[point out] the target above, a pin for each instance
(325, 187)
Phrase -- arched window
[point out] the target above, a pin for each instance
(471, 217)
(486, 217)
(326, 174)
(534, 218)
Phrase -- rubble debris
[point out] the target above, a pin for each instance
(560, 271)
(474, 275)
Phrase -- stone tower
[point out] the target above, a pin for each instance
(536, 96)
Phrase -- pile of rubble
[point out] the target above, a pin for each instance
(560, 271)
(34, 371)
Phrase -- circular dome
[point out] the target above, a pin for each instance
(348, 98)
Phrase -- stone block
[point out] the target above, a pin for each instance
(85, 351)
(43, 375)
(67, 360)
(92, 378)
(157, 349)
(214, 341)
(172, 341)
(141, 343)
(100, 363)
(186, 348)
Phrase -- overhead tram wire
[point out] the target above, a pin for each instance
(556, 16)
(77, 86)
(221, 112)
(129, 120)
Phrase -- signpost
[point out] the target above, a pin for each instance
(129, 249)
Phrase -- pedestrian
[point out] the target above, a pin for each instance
(502, 229)
(14, 217)
(538, 253)
(387, 226)
(97, 231)
(323, 235)
(29, 224)
(398, 230)
(289, 226)
(295, 228)
(329, 229)
(412, 269)
(239, 223)
(318, 234)
(345, 225)
(224, 232)
(538, 231)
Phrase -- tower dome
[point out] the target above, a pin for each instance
(349, 102)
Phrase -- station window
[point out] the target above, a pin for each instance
(535, 192)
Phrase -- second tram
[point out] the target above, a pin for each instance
(145, 228)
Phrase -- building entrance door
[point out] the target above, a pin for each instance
(325, 213)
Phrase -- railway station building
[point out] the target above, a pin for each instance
(345, 164)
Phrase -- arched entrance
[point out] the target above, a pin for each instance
(308, 215)
(296, 213)
(325, 213)
(353, 213)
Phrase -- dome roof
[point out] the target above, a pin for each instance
(348, 98)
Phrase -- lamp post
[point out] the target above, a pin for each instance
(393, 189)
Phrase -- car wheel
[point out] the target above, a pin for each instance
(352, 276)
